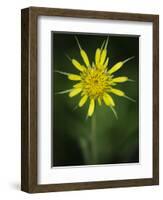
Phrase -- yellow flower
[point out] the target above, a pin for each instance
(95, 82)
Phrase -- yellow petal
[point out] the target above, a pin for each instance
(83, 53)
(99, 101)
(74, 92)
(93, 64)
(74, 77)
(83, 100)
(120, 79)
(104, 53)
(78, 85)
(106, 63)
(85, 57)
(103, 56)
(118, 65)
(97, 56)
(91, 107)
(99, 66)
(117, 92)
(78, 65)
(108, 100)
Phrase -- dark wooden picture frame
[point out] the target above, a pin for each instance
(29, 99)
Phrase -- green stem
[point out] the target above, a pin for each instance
(93, 138)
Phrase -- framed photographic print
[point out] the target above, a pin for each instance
(90, 99)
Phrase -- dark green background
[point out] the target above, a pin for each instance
(117, 140)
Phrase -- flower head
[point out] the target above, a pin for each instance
(96, 82)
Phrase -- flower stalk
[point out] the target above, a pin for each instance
(93, 139)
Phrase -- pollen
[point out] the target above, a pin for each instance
(95, 82)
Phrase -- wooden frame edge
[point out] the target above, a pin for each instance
(28, 100)
(94, 14)
(24, 99)
(156, 99)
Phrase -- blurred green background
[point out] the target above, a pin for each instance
(117, 141)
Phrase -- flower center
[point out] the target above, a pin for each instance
(95, 82)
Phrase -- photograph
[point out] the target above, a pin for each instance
(94, 99)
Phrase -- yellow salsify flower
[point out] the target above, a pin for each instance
(96, 82)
